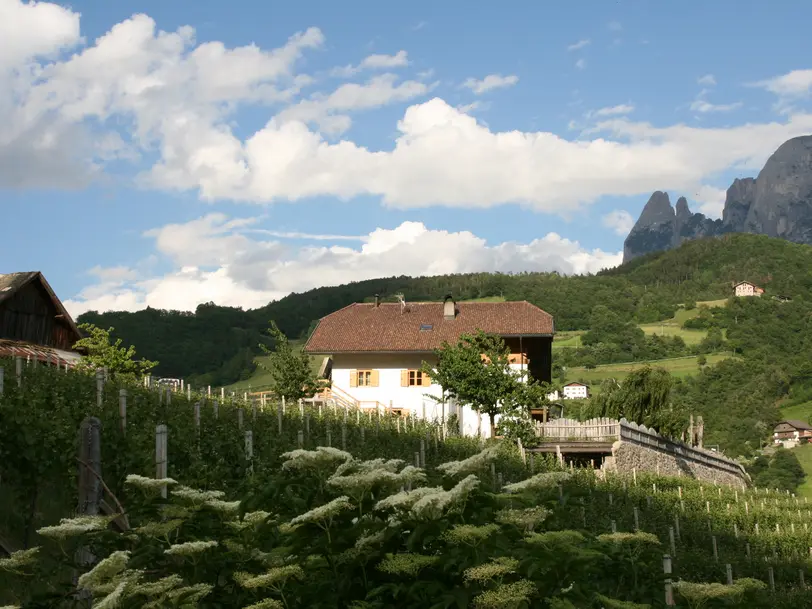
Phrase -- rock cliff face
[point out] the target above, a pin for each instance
(778, 203)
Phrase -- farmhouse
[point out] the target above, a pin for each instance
(745, 288)
(792, 432)
(376, 350)
(33, 322)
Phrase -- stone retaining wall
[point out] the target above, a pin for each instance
(626, 457)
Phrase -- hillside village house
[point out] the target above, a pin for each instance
(377, 349)
(570, 391)
(33, 322)
(792, 432)
(745, 288)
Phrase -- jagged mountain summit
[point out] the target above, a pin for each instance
(778, 203)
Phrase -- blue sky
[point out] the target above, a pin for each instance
(168, 154)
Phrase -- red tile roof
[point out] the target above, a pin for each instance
(363, 327)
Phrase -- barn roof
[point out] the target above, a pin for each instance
(10, 283)
(797, 424)
(421, 326)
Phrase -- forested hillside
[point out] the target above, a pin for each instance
(216, 345)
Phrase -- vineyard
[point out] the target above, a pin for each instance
(301, 506)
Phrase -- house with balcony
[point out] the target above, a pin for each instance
(745, 288)
(376, 350)
(792, 432)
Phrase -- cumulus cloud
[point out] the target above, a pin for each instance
(220, 259)
(708, 80)
(169, 105)
(711, 199)
(619, 220)
(790, 88)
(703, 106)
(490, 82)
(374, 62)
(620, 109)
(577, 46)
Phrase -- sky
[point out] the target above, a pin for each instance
(167, 154)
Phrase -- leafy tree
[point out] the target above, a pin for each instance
(292, 373)
(101, 353)
(475, 371)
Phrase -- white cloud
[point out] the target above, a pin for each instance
(491, 81)
(708, 80)
(161, 98)
(618, 110)
(579, 45)
(329, 112)
(795, 83)
(711, 199)
(580, 64)
(703, 106)
(214, 259)
(374, 62)
(619, 220)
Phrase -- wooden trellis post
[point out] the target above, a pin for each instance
(99, 387)
(249, 450)
(122, 410)
(161, 457)
(90, 486)
(669, 590)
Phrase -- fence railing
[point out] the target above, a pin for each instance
(610, 430)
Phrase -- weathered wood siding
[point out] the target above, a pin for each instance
(30, 316)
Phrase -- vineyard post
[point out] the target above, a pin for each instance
(611, 499)
(240, 416)
(329, 437)
(634, 475)
(771, 577)
(215, 404)
(613, 525)
(801, 578)
(18, 364)
(756, 529)
(636, 519)
(161, 457)
(208, 391)
(669, 591)
(422, 453)
(715, 548)
(300, 438)
(168, 396)
(279, 411)
(283, 404)
(222, 394)
(90, 488)
(729, 574)
(2, 375)
(249, 450)
(197, 417)
(676, 526)
(671, 541)
(417, 459)
(122, 410)
(747, 550)
(301, 409)
(307, 426)
(99, 387)
(735, 530)
(189, 392)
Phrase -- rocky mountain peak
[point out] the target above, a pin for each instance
(778, 203)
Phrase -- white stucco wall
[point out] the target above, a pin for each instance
(390, 393)
(574, 392)
(745, 289)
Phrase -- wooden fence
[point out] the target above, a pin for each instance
(594, 430)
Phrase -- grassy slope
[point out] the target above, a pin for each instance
(678, 366)
(804, 454)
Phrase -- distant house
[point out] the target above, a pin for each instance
(33, 322)
(792, 432)
(745, 288)
(575, 391)
(377, 349)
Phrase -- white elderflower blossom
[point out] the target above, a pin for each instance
(159, 529)
(249, 519)
(469, 534)
(273, 578)
(189, 548)
(323, 512)
(498, 567)
(160, 586)
(538, 482)
(268, 603)
(149, 484)
(406, 563)
(196, 496)
(104, 571)
(112, 600)
(191, 594)
(306, 459)
(404, 500)
(367, 541)
(225, 507)
(70, 527)
(432, 506)
(10, 607)
(19, 559)
(471, 465)
(640, 537)
(506, 595)
(526, 519)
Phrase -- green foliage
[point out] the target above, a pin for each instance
(780, 471)
(101, 353)
(463, 373)
(292, 373)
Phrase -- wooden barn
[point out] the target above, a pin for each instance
(33, 322)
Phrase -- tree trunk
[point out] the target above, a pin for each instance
(492, 416)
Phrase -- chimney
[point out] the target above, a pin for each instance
(449, 307)
(377, 301)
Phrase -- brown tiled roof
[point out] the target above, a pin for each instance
(421, 327)
(797, 424)
(13, 348)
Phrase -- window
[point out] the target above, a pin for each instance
(414, 378)
(426, 327)
(363, 378)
